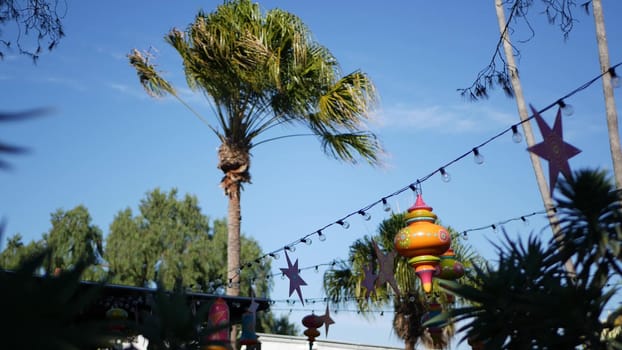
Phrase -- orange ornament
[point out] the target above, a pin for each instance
(422, 241)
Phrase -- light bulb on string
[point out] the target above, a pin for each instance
(517, 137)
(445, 175)
(615, 79)
(385, 205)
(524, 220)
(274, 255)
(465, 236)
(566, 108)
(291, 248)
(478, 158)
(344, 224)
(366, 216)
(306, 241)
(321, 236)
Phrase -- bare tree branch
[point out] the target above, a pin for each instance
(40, 19)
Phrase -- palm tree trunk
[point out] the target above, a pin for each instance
(524, 115)
(233, 248)
(610, 103)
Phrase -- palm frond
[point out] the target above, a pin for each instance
(150, 79)
(347, 146)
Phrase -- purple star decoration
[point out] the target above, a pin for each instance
(295, 281)
(553, 148)
(369, 280)
(386, 268)
(327, 320)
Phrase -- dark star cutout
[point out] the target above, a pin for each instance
(327, 320)
(553, 148)
(386, 274)
(295, 281)
(369, 280)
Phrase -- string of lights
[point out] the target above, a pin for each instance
(496, 225)
(335, 310)
(524, 218)
(442, 170)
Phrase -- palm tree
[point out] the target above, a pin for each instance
(346, 283)
(260, 72)
(610, 102)
(529, 302)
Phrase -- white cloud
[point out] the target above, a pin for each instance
(71, 83)
(127, 90)
(450, 119)
(117, 55)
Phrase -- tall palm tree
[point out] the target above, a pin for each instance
(262, 71)
(523, 113)
(346, 283)
(610, 102)
(527, 301)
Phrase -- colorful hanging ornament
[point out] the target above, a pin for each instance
(312, 322)
(295, 281)
(117, 316)
(218, 315)
(248, 336)
(422, 241)
(450, 269)
(553, 148)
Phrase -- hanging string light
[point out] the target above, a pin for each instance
(615, 79)
(385, 205)
(344, 224)
(478, 158)
(444, 175)
(366, 216)
(516, 135)
(567, 109)
(321, 236)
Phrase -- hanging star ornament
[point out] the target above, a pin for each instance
(386, 268)
(553, 148)
(369, 280)
(327, 320)
(295, 281)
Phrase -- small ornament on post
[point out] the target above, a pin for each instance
(248, 336)
(312, 322)
(422, 241)
(218, 316)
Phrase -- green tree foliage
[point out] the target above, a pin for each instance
(16, 252)
(345, 283)
(529, 301)
(170, 240)
(73, 238)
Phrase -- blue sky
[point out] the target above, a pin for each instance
(106, 143)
